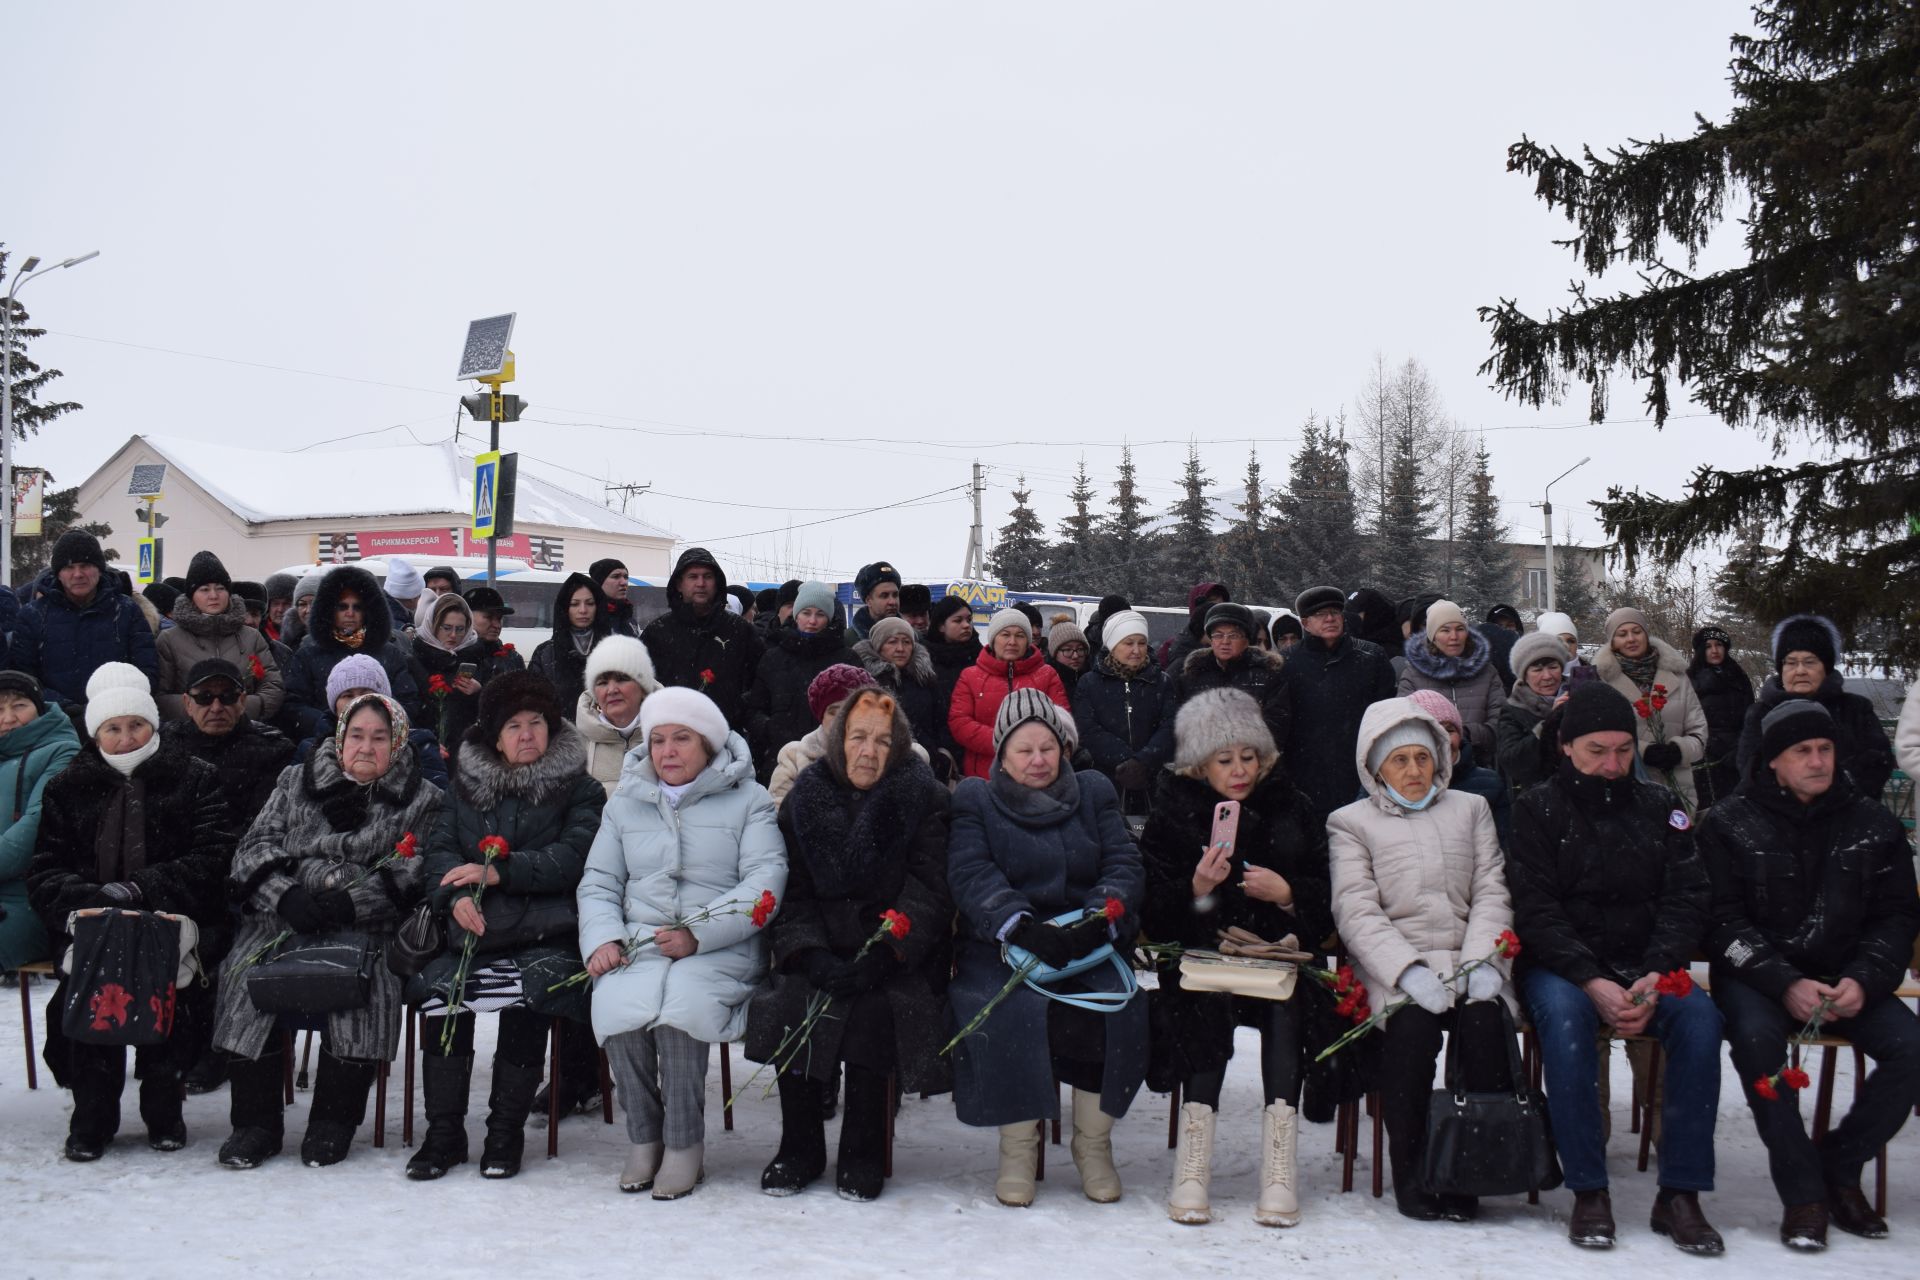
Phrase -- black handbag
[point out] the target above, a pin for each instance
(121, 977)
(1489, 1144)
(420, 937)
(520, 920)
(315, 973)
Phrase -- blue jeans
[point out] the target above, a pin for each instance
(1567, 1026)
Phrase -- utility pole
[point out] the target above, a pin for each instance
(976, 536)
(20, 277)
(627, 491)
(1546, 510)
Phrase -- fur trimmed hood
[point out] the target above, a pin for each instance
(373, 608)
(484, 779)
(1433, 664)
(919, 668)
(1199, 658)
(195, 623)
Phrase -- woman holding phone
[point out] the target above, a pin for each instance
(445, 665)
(1231, 842)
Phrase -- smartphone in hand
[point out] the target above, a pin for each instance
(1226, 824)
(467, 671)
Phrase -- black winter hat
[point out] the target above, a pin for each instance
(915, 597)
(506, 696)
(178, 584)
(1806, 633)
(487, 598)
(766, 599)
(1033, 617)
(789, 592)
(1231, 614)
(77, 546)
(162, 597)
(599, 569)
(1795, 720)
(279, 586)
(945, 607)
(26, 686)
(1595, 708)
(442, 571)
(251, 592)
(1319, 598)
(213, 669)
(205, 569)
(872, 576)
(744, 596)
(1506, 611)
(1286, 625)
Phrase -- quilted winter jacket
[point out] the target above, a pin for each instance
(979, 693)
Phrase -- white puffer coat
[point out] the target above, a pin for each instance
(655, 866)
(1416, 887)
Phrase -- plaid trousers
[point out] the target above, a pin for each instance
(661, 1077)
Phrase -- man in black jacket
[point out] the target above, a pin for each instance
(1331, 678)
(697, 644)
(1815, 915)
(1228, 660)
(1609, 896)
(247, 755)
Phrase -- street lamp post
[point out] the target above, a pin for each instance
(20, 277)
(1546, 508)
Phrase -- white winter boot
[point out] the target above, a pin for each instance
(1093, 1148)
(1193, 1166)
(681, 1169)
(1279, 1201)
(643, 1161)
(1019, 1161)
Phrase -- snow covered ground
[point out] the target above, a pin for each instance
(138, 1212)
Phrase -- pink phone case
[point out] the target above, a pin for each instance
(1226, 824)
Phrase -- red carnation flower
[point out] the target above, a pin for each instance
(494, 847)
(1642, 709)
(503, 650)
(1764, 1087)
(1508, 944)
(706, 677)
(408, 846)
(763, 909)
(1678, 984)
(1795, 1078)
(897, 924)
(259, 671)
(1115, 909)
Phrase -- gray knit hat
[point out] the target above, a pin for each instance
(1214, 720)
(816, 595)
(1536, 646)
(1023, 705)
(308, 585)
(1005, 618)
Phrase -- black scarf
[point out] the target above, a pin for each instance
(846, 835)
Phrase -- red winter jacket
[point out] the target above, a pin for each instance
(980, 691)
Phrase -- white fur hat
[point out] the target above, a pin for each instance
(119, 689)
(625, 656)
(689, 707)
(1215, 719)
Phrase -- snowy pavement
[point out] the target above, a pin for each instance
(140, 1212)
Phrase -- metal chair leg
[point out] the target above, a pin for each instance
(1646, 1129)
(606, 1088)
(302, 1081)
(1823, 1101)
(406, 1113)
(1173, 1117)
(286, 1061)
(553, 1089)
(26, 1025)
(381, 1075)
(726, 1085)
(1379, 1125)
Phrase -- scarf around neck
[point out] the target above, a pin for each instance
(1640, 670)
(350, 639)
(1047, 804)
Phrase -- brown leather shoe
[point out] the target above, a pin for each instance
(1678, 1216)
(1804, 1227)
(1591, 1226)
(1849, 1210)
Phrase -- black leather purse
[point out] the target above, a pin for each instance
(315, 973)
(420, 937)
(520, 920)
(1489, 1144)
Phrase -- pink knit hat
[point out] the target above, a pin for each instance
(833, 684)
(1438, 705)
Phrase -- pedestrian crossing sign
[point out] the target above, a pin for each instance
(486, 493)
(147, 565)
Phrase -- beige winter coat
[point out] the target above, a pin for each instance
(607, 747)
(796, 756)
(1906, 734)
(1685, 719)
(1416, 888)
(195, 637)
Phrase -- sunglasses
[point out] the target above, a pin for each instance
(227, 699)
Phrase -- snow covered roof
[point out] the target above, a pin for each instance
(261, 486)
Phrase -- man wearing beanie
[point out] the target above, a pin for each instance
(916, 602)
(247, 756)
(401, 592)
(131, 823)
(1806, 658)
(1332, 678)
(1608, 896)
(79, 621)
(1814, 918)
(697, 644)
(1228, 660)
(878, 586)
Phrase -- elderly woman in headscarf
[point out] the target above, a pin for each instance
(441, 645)
(328, 855)
(1420, 901)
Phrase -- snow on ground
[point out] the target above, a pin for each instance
(139, 1212)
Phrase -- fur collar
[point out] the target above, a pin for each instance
(849, 838)
(1188, 802)
(195, 623)
(484, 779)
(1830, 693)
(1435, 665)
(919, 668)
(1107, 667)
(1201, 658)
(378, 619)
(344, 802)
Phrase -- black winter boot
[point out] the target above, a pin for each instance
(803, 1140)
(255, 1108)
(96, 1074)
(445, 1082)
(863, 1136)
(579, 1075)
(507, 1107)
(160, 1098)
(339, 1105)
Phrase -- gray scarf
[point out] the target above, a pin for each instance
(1040, 806)
(1527, 700)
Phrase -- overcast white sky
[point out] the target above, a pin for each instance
(972, 228)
